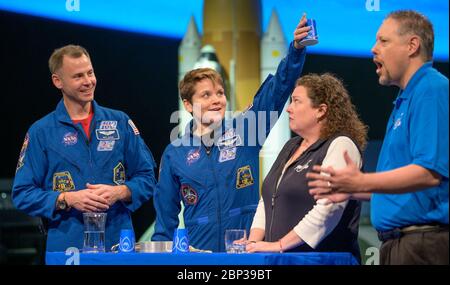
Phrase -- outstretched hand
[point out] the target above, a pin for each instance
(301, 31)
(336, 185)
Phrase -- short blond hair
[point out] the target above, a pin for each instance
(56, 59)
(188, 83)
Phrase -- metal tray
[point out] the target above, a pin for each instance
(154, 246)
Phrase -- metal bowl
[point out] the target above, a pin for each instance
(154, 246)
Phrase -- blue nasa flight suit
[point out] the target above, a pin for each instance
(57, 156)
(219, 186)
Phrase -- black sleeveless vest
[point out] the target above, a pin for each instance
(292, 201)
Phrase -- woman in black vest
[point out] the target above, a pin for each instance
(288, 218)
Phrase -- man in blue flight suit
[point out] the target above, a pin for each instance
(81, 158)
(214, 168)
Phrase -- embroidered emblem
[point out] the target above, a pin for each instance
(133, 126)
(244, 177)
(398, 122)
(229, 140)
(23, 150)
(300, 168)
(62, 181)
(107, 135)
(119, 174)
(192, 156)
(231, 132)
(227, 154)
(108, 125)
(105, 145)
(189, 195)
(70, 139)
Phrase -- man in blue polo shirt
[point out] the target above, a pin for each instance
(413, 160)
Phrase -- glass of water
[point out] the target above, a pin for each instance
(94, 232)
(235, 241)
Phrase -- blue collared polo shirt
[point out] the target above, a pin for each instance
(417, 133)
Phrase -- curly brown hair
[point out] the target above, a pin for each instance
(341, 115)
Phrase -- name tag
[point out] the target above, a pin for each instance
(227, 143)
(107, 135)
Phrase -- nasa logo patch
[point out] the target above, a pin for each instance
(192, 156)
(70, 138)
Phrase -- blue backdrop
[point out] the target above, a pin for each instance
(345, 27)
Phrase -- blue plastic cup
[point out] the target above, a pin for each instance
(312, 37)
(127, 241)
(180, 241)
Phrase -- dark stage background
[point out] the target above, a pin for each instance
(137, 74)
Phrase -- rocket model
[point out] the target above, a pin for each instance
(232, 45)
(208, 58)
(188, 53)
(273, 49)
(233, 27)
(191, 56)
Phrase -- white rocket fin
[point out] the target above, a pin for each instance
(274, 33)
(191, 37)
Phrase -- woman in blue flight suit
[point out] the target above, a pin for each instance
(215, 173)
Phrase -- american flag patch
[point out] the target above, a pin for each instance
(133, 126)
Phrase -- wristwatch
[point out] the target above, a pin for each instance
(61, 204)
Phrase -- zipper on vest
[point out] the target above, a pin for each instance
(271, 219)
(273, 199)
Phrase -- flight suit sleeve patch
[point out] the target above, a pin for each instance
(23, 150)
(133, 126)
(62, 181)
(244, 177)
(189, 194)
(119, 174)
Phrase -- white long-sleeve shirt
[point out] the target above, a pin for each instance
(324, 216)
